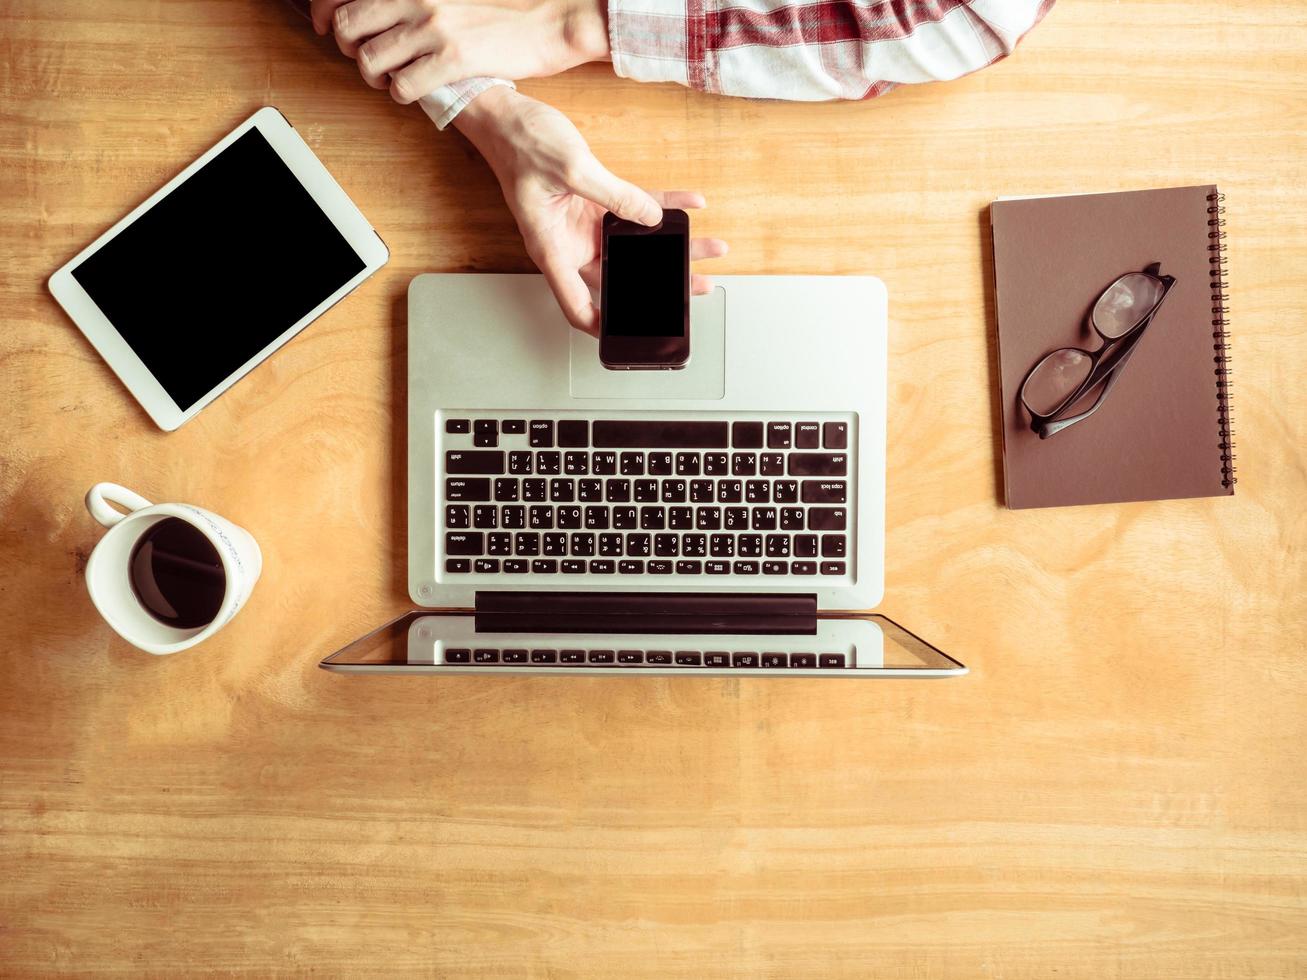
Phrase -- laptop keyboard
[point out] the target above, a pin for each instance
(718, 497)
(722, 659)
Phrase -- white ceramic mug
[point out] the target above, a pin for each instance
(108, 572)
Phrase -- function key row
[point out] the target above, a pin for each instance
(523, 462)
(645, 658)
(639, 566)
(628, 433)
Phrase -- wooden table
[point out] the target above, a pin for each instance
(1117, 790)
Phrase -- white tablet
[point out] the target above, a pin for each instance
(220, 267)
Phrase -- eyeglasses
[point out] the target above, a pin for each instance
(1059, 385)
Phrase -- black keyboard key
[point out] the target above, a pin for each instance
(660, 657)
(722, 545)
(513, 517)
(659, 568)
(742, 464)
(653, 518)
(596, 518)
(764, 518)
(775, 568)
(778, 435)
(555, 544)
(572, 566)
(513, 427)
(617, 491)
(771, 464)
(684, 567)
(458, 656)
(549, 462)
(461, 462)
(667, 545)
(610, 545)
(519, 462)
(542, 434)
(673, 491)
(746, 435)
(506, 489)
(687, 464)
(582, 544)
(562, 490)
(499, 543)
(832, 568)
(602, 566)
(735, 518)
(544, 656)
(456, 426)
(803, 661)
(603, 464)
(824, 491)
(514, 656)
(819, 464)
(827, 519)
(701, 491)
(534, 489)
(716, 464)
(541, 518)
(730, 491)
(708, 518)
(745, 568)
(485, 516)
(684, 658)
(630, 656)
(744, 660)
(571, 657)
(625, 518)
(831, 660)
(526, 544)
(807, 435)
(646, 491)
(717, 567)
(803, 568)
(680, 518)
(660, 464)
(458, 565)
(632, 464)
(456, 489)
(749, 545)
(791, 518)
(465, 543)
(589, 490)
(785, 491)
(757, 491)
(576, 464)
(638, 545)
(777, 546)
(457, 515)
(805, 546)
(485, 656)
(485, 432)
(835, 435)
(773, 660)
(574, 433)
(660, 435)
(832, 546)
(543, 566)
(515, 566)
(601, 656)
(630, 567)
(716, 659)
(694, 545)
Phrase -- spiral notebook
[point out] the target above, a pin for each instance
(1164, 431)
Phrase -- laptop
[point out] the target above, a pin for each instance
(725, 518)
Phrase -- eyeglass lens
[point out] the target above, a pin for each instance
(1125, 303)
(1054, 379)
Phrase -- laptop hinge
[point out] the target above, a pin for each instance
(645, 612)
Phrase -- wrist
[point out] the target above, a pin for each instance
(585, 30)
(479, 117)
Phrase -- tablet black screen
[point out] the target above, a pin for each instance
(218, 269)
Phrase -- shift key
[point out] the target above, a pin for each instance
(475, 461)
(819, 464)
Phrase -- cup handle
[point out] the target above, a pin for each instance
(101, 495)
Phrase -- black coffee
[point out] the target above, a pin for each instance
(177, 575)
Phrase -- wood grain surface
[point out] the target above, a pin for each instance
(1117, 790)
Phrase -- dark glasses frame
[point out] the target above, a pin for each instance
(1105, 363)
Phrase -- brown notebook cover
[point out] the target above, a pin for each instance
(1164, 430)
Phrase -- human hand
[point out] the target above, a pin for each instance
(558, 191)
(413, 47)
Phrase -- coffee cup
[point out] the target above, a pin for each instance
(167, 576)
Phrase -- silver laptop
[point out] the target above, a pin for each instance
(723, 518)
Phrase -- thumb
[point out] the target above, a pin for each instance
(599, 184)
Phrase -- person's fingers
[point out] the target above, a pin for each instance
(571, 292)
(355, 22)
(595, 182)
(386, 53)
(707, 248)
(700, 284)
(423, 76)
(685, 200)
(322, 11)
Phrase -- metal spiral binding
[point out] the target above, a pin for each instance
(1221, 334)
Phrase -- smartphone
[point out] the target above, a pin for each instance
(644, 299)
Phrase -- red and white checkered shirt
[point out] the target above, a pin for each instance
(808, 50)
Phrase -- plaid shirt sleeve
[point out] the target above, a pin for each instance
(448, 101)
(812, 50)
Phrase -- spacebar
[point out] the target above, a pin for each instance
(610, 434)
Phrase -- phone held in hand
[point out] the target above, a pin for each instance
(645, 296)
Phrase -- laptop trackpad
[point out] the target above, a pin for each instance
(703, 377)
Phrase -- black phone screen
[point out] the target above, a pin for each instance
(646, 286)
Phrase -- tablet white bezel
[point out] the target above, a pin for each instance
(326, 193)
